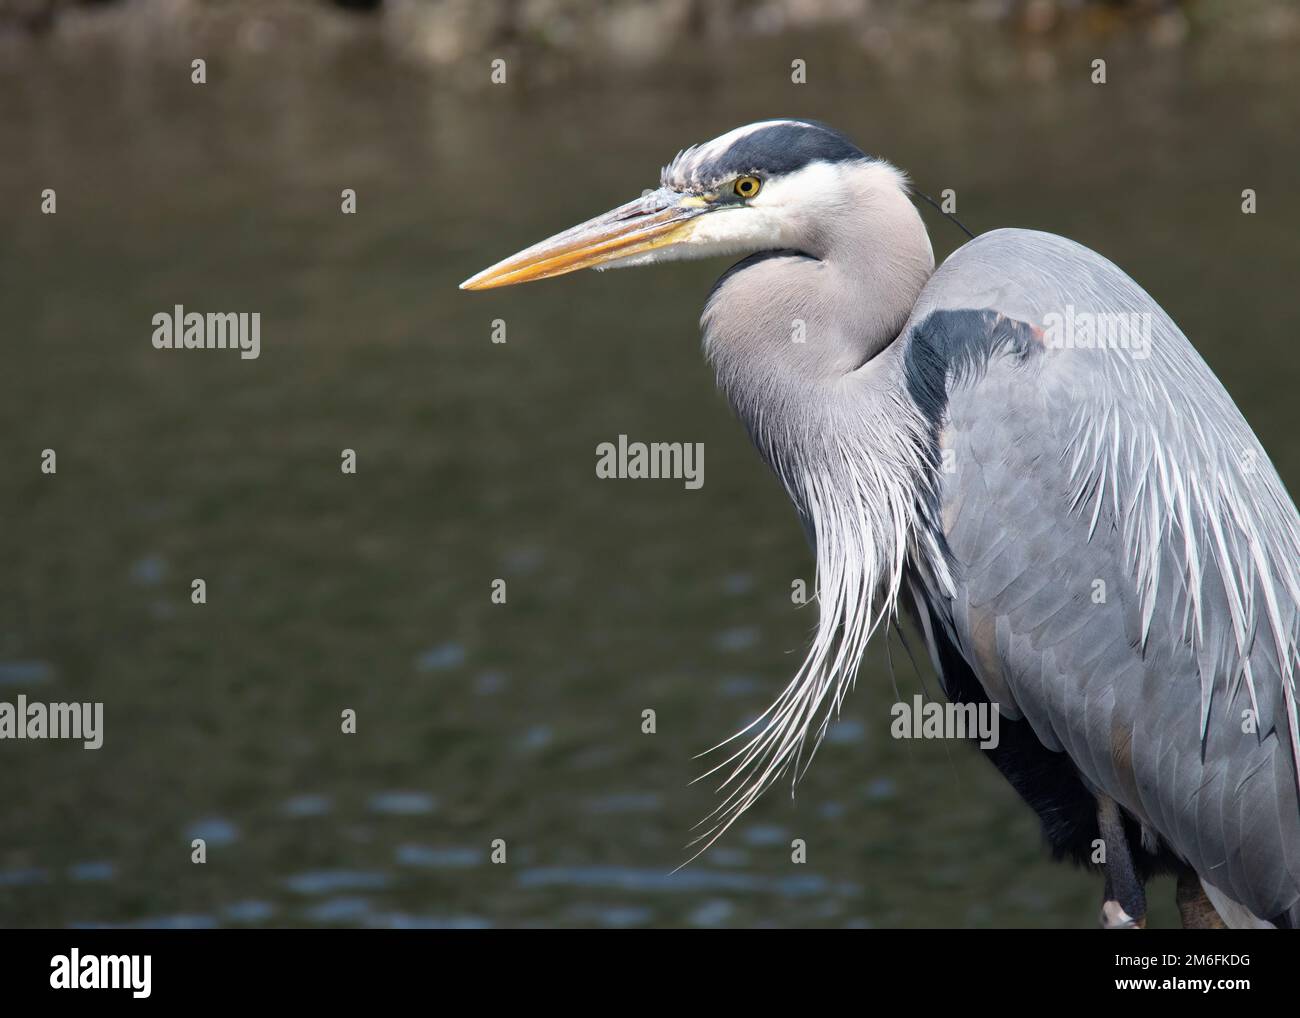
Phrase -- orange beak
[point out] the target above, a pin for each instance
(658, 219)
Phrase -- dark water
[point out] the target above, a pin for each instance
(371, 592)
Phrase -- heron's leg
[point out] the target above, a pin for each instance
(1125, 904)
(1193, 906)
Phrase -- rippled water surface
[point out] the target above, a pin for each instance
(327, 592)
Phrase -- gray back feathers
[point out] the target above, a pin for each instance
(1123, 556)
(1013, 472)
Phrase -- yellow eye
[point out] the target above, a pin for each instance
(747, 187)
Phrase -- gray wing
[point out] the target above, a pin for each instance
(1123, 563)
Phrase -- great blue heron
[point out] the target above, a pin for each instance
(1023, 449)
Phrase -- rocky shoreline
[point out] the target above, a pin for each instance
(450, 34)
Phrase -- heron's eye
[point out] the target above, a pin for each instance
(747, 187)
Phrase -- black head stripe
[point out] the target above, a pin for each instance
(784, 148)
(779, 148)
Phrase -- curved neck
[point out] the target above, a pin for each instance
(781, 322)
(793, 338)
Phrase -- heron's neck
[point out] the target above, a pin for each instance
(780, 323)
(794, 339)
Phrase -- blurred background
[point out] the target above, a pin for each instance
(476, 460)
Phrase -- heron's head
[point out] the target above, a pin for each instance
(774, 185)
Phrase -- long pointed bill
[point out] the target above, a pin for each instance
(659, 219)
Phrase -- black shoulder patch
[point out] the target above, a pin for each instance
(951, 347)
